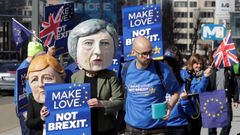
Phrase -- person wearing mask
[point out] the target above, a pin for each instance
(92, 44)
(43, 69)
(34, 48)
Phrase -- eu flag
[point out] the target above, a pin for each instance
(213, 108)
(20, 33)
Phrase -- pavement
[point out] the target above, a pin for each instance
(9, 124)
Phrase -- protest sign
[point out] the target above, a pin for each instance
(142, 21)
(69, 111)
(22, 100)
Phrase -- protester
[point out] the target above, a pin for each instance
(43, 69)
(196, 81)
(92, 44)
(145, 86)
(177, 123)
(34, 48)
(224, 78)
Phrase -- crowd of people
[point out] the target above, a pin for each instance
(130, 99)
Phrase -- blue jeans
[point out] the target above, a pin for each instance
(25, 130)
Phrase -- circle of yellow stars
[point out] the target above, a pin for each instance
(79, 85)
(208, 101)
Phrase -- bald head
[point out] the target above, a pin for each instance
(141, 43)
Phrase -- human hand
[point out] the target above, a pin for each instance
(51, 50)
(44, 112)
(94, 102)
(208, 72)
(183, 95)
(168, 110)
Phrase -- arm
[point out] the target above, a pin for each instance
(116, 101)
(32, 121)
(186, 104)
(199, 86)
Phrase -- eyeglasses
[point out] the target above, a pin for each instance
(144, 54)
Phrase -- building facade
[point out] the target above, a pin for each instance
(21, 11)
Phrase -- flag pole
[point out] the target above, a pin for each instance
(26, 29)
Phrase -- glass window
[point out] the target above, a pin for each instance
(180, 25)
(209, 3)
(180, 14)
(191, 25)
(180, 36)
(193, 4)
(206, 14)
(191, 14)
(180, 4)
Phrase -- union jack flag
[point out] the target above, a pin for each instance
(225, 55)
(50, 27)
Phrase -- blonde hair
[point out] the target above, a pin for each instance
(41, 62)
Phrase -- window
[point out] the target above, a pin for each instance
(191, 25)
(209, 3)
(191, 36)
(180, 4)
(180, 14)
(193, 4)
(206, 14)
(191, 14)
(180, 36)
(180, 25)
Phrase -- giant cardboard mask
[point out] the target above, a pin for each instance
(95, 52)
(43, 69)
(93, 44)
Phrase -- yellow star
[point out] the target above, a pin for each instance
(152, 90)
(156, 50)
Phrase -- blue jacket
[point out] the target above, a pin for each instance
(180, 112)
(198, 84)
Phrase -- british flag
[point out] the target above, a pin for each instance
(50, 27)
(225, 55)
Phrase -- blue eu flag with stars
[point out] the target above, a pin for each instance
(213, 108)
(20, 33)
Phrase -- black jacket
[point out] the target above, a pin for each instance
(230, 84)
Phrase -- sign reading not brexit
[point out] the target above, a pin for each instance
(142, 21)
(69, 111)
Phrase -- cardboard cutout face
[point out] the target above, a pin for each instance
(38, 79)
(95, 52)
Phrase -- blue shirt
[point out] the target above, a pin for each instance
(144, 88)
(180, 112)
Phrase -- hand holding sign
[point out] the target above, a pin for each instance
(44, 113)
(94, 102)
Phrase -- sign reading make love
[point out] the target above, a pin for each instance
(142, 21)
(69, 111)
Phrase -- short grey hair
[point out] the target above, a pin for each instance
(87, 28)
